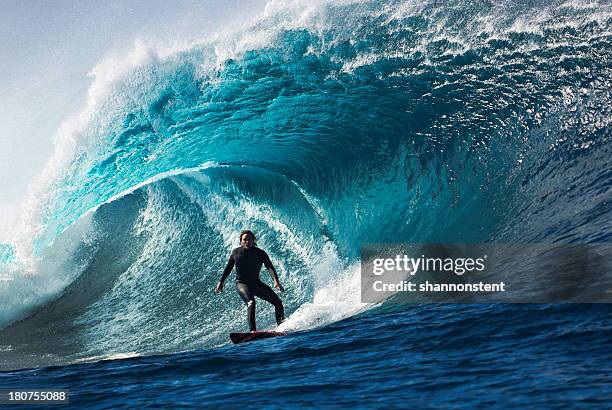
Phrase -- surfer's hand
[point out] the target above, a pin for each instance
(219, 287)
(278, 286)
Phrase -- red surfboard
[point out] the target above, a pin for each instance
(242, 337)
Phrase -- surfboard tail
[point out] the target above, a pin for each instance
(242, 337)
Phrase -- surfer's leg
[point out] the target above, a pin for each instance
(248, 298)
(266, 293)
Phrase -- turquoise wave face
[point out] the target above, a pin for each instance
(406, 126)
(362, 122)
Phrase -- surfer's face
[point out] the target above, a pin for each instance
(246, 241)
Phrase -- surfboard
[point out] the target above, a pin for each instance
(242, 337)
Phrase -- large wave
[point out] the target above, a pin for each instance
(321, 127)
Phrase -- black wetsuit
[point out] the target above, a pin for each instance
(248, 263)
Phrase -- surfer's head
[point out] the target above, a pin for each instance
(247, 239)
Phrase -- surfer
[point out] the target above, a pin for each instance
(248, 259)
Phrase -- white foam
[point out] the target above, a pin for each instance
(27, 286)
(116, 356)
(338, 299)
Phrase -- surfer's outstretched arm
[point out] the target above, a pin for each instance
(272, 272)
(274, 276)
(226, 272)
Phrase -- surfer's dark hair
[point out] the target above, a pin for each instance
(248, 232)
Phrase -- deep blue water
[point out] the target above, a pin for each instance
(321, 127)
(435, 356)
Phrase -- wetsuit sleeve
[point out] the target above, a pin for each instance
(266, 260)
(228, 268)
(268, 263)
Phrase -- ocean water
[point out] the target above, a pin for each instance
(434, 356)
(321, 127)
